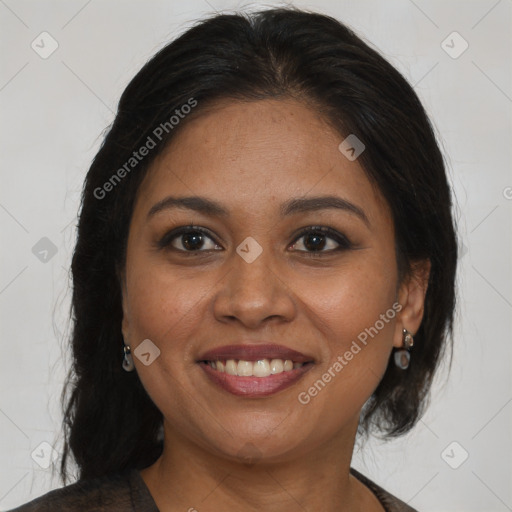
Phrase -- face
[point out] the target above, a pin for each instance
(275, 277)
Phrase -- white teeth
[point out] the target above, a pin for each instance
(244, 368)
(276, 366)
(231, 367)
(261, 368)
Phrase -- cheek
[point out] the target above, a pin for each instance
(354, 311)
(164, 306)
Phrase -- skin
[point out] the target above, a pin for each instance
(251, 157)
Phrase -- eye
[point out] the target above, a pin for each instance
(316, 240)
(188, 239)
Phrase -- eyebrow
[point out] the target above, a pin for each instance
(293, 206)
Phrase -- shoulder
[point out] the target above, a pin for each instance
(388, 501)
(113, 493)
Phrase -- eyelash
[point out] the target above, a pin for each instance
(343, 242)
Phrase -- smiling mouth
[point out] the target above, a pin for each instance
(261, 368)
(254, 379)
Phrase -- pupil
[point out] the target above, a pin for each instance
(196, 241)
(318, 244)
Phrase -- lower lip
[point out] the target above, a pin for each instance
(254, 387)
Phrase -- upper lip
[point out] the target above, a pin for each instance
(254, 352)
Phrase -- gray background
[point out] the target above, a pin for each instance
(53, 113)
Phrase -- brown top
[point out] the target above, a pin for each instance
(127, 492)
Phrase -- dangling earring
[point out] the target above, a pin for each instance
(128, 365)
(403, 356)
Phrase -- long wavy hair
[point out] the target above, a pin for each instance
(110, 423)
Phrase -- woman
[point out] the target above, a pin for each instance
(264, 269)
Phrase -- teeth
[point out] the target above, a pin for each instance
(276, 366)
(231, 367)
(244, 368)
(261, 368)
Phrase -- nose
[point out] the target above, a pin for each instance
(254, 293)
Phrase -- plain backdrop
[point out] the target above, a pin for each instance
(53, 113)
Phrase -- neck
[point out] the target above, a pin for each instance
(187, 477)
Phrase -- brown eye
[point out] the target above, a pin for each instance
(188, 239)
(318, 238)
(192, 240)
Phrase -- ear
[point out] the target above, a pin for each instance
(121, 278)
(411, 296)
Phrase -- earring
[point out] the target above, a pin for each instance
(403, 356)
(128, 365)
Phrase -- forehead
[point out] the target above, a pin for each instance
(255, 155)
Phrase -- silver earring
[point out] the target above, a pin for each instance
(402, 355)
(128, 365)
